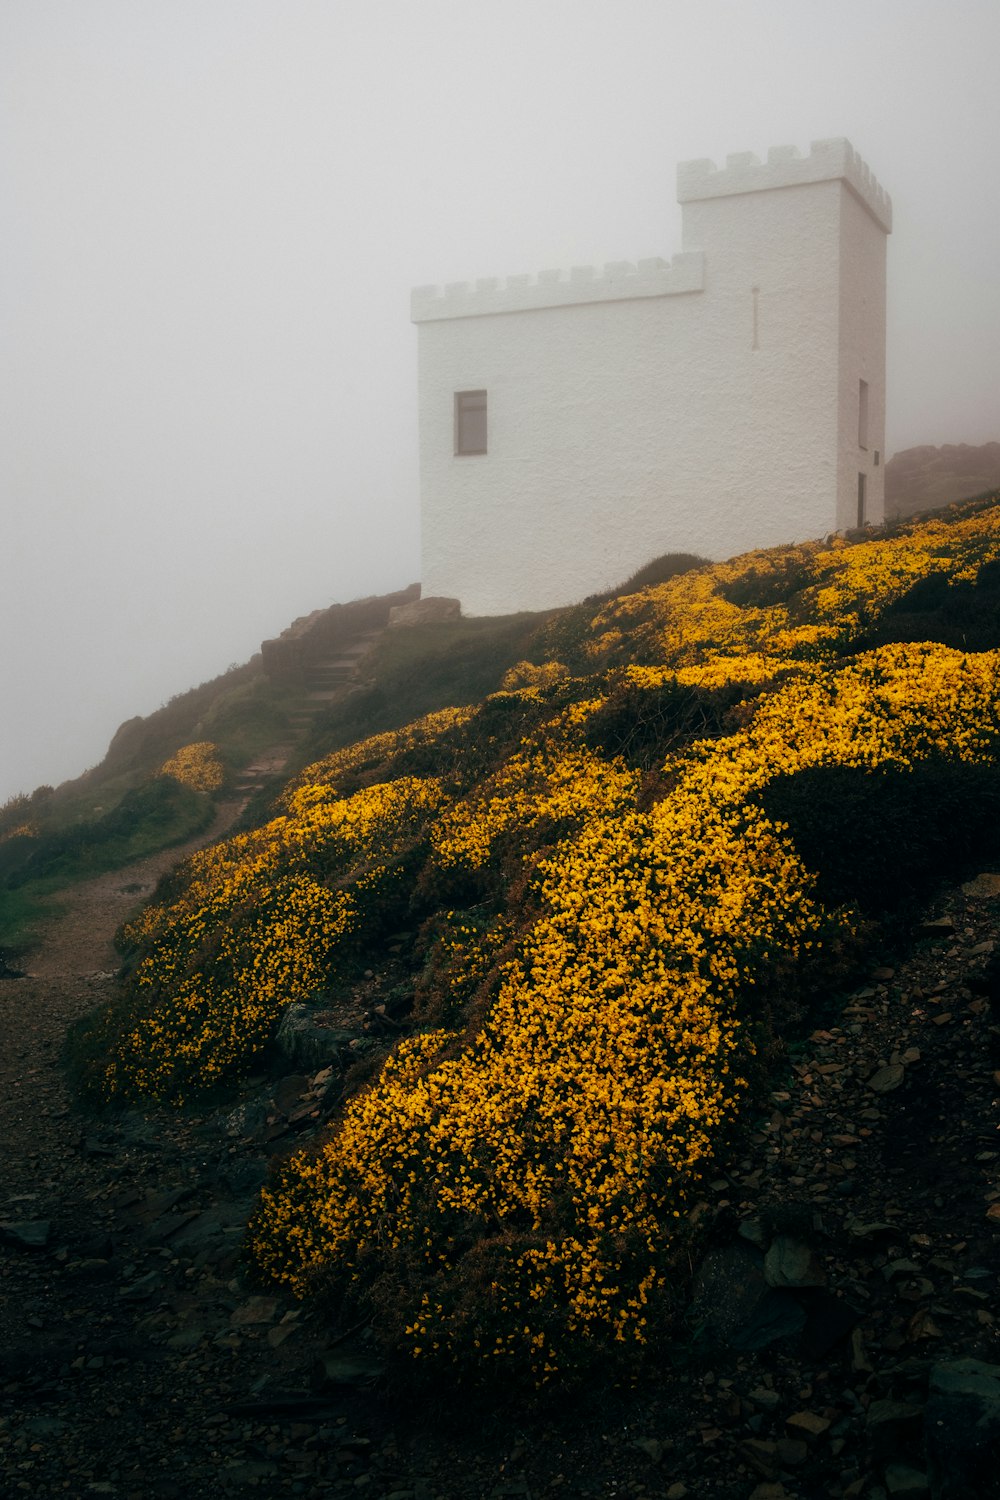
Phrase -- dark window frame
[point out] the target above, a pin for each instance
(471, 432)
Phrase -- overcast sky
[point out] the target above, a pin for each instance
(212, 212)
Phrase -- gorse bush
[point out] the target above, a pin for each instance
(660, 569)
(507, 1196)
(253, 927)
(643, 716)
(197, 766)
(525, 674)
(569, 1131)
(793, 603)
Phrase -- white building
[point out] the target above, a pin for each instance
(572, 427)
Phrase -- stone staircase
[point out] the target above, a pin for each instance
(326, 678)
(319, 657)
(265, 768)
(323, 679)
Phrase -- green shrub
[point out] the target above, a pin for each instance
(782, 574)
(964, 615)
(643, 723)
(152, 816)
(659, 570)
(420, 669)
(885, 839)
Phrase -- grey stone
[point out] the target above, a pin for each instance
(89, 1269)
(876, 1230)
(45, 1427)
(168, 1225)
(962, 1430)
(779, 1315)
(792, 1452)
(352, 1367)
(211, 1227)
(27, 1234)
(248, 1119)
(736, 1304)
(257, 1310)
(894, 1414)
(311, 1039)
(884, 1080)
(904, 1483)
(791, 1262)
(248, 1471)
(753, 1231)
(728, 1287)
(140, 1291)
(243, 1179)
(186, 1340)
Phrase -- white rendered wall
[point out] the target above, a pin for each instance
(862, 357)
(706, 406)
(771, 469)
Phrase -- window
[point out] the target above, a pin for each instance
(862, 414)
(470, 422)
(862, 488)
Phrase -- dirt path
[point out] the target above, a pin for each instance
(67, 977)
(95, 1390)
(80, 940)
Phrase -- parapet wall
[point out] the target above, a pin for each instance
(620, 281)
(745, 173)
(617, 281)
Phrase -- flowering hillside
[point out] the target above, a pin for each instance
(606, 911)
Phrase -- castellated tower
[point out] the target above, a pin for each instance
(573, 426)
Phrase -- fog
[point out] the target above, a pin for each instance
(213, 212)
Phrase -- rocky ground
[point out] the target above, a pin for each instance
(842, 1339)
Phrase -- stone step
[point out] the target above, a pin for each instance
(325, 679)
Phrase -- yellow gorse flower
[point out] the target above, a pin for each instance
(197, 766)
(256, 926)
(591, 1099)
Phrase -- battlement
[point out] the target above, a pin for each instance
(617, 281)
(827, 161)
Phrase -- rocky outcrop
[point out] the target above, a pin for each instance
(425, 611)
(919, 479)
(311, 1038)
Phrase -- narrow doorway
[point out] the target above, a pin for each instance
(862, 487)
